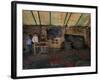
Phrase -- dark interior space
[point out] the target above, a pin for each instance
(57, 39)
(61, 50)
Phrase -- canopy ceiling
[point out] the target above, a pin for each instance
(55, 18)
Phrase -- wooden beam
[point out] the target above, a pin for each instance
(34, 17)
(89, 22)
(65, 17)
(50, 17)
(68, 18)
(79, 19)
(39, 18)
